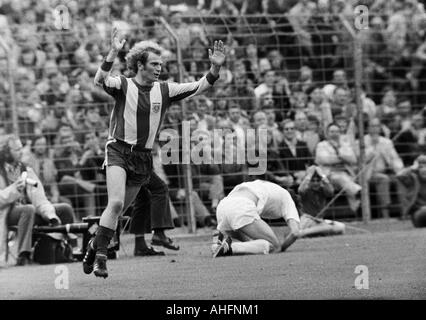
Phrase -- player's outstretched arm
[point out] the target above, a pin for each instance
(102, 75)
(293, 235)
(217, 57)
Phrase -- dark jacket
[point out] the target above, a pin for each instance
(300, 161)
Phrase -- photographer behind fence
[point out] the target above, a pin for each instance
(23, 201)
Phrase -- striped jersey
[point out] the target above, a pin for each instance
(139, 110)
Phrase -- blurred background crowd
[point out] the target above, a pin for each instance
(290, 70)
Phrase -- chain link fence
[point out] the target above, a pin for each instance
(283, 71)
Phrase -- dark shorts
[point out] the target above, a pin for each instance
(136, 163)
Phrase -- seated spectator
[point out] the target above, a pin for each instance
(252, 64)
(339, 80)
(419, 131)
(299, 16)
(266, 86)
(336, 158)
(204, 120)
(92, 122)
(405, 140)
(314, 191)
(294, 152)
(382, 160)
(368, 106)
(281, 97)
(387, 107)
(243, 93)
(313, 134)
(319, 107)
(341, 103)
(238, 123)
(305, 80)
(173, 117)
(40, 161)
(347, 129)
(25, 203)
(300, 124)
(405, 111)
(70, 181)
(272, 125)
(412, 182)
(276, 171)
(197, 62)
(232, 172)
(259, 118)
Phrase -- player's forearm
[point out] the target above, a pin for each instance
(214, 70)
(105, 68)
(292, 237)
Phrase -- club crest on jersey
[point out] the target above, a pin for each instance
(156, 106)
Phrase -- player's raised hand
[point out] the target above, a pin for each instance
(117, 41)
(218, 56)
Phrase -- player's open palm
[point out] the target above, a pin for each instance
(117, 41)
(218, 56)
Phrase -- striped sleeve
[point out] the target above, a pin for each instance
(179, 91)
(111, 85)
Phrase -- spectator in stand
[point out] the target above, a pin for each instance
(241, 89)
(347, 129)
(301, 125)
(294, 152)
(383, 161)
(337, 158)
(173, 117)
(26, 204)
(277, 62)
(92, 122)
(299, 101)
(419, 131)
(339, 80)
(281, 97)
(412, 183)
(272, 125)
(319, 107)
(32, 59)
(405, 111)
(68, 161)
(232, 172)
(40, 161)
(267, 85)
(197, 61)
(251, 62)
(314, 191)
(388, 104)
(341, 103)
(313, 134)
(299, 16)
(259, 118)
(204, 120)
(238, 123)
(305, 80)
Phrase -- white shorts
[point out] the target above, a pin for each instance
(233, 213)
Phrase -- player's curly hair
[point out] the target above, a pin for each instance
(140, 52)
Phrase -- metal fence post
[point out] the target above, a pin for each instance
(365, 194)
(15, 126)
(192, 227)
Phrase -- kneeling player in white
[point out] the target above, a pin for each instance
(239, 216)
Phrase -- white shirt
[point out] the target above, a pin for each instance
(274, 201)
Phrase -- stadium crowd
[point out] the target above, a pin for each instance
(289, 71)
